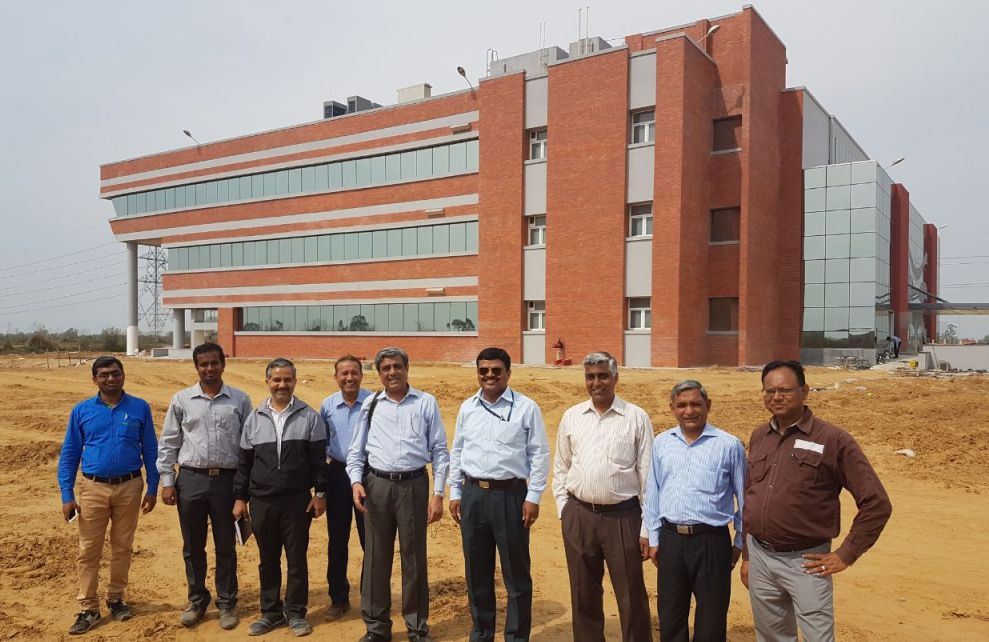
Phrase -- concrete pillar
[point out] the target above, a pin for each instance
(132, 347)
(198, 337)
(178, 328)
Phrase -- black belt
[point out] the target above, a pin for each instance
(212, 472)
(785, 549)
(628, 504)
(692, 529)
(398, 476)
(494, 484)
(119, 479)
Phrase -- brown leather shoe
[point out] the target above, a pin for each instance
(336, 611)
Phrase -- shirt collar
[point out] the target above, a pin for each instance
(99, 400)
(412, 392)
(804, 424)
(289, 407)
(336, 399)
(707, 432)
(508, 395)
(618, 405)
(224, 391)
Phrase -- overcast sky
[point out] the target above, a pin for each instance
(86, 83)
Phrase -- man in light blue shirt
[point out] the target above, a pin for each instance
(399, 432)
(695, 488)
(500, 442)
(341, 411)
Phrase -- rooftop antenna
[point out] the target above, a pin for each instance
(543, 54)
(492, 56)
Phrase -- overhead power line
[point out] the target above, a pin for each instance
(62, 267)
(28, 288)
(62, 305)
(56, 258)
(59, 298)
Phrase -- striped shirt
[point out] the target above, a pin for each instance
(696, 483)
(602, 459)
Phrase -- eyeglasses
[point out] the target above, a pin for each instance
(783, 392)
(495, 372)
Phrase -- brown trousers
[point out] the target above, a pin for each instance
(100, 504)
(590, 539)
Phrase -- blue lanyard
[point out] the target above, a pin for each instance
(488, 408)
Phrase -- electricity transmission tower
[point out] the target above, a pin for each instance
(151, 312)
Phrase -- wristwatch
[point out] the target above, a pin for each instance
(321, 495)
(438, 493)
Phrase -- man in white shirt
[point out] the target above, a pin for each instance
(602, 460)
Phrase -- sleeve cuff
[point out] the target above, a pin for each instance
(167, 480)
(533, 497)
(68, 496)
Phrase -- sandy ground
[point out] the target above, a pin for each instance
(924, 580)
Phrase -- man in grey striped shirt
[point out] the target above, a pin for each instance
(202, 435)
(602, 463)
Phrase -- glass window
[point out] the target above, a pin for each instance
(862, 245)
(119, 205)
(458, 237)
(367, 318)
(473, 155)
(723, 314)
(132, 204)
(379, 244)
(537, 315)
(537, 144)
(426, 318)
(338, 251)
(472, 318)
(644, 126)
(159, 199)
(295, 180)
(380, 317)
(321, 178)
(424, 163)
(472, 236)
(836, 246)
(349, 170)
(639, 313)
(340, 321)
(441, 239)
(180, 197)
(200, 193)
(257, 185)
(273, 254)
(837, 222)
(814, 247)
(458, 158)
(410, 237)
(249, 253)
(183, 259)
(245, 187)
(441, 160)
(363, 169)
(270, 184)
(294, 317)
(299, 250)
(261, 252)
(193, 260)
(537, 230)
(284, 251)
(313, 322)
(394, 242)
(727, 134)
(222, 191)
(249, 319)
(190, 195)
(277, 318)
(395, 317)
(233, 189)
(393, 167)
(336, 175)
(211, 192)
(281, 181)
(310, 252)
(237, 254)
(836, 270)
(458, 317)
(640, 220)
(835, 296)
(264, 318)
(323, 248)
(214, 256)
(814, 295)
(349, 246)
(225, 255)
(378, 170)
(170, 198)
(410, 312)
(364, 241)
(725, 224)
(441, 315)
(408, 165)
(425, 244)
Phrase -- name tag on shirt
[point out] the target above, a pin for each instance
(809, 445)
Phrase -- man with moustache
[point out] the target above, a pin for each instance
(282, 457)
(500, 444)
(341, 411)
(112, 435)
(399, 432)
(696, 479)
(600, 473)
(202, 435)
(798, 465)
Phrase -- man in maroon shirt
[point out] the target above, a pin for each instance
(798, 465)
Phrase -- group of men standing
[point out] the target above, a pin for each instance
(623, 495)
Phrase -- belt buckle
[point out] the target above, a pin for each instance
(483, 483)
(213, 472)
(684, 529)
(394, 476)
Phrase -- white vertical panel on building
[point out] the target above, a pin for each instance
(641, 163)
(534, 274)
(536, 101)
(642, 81)
(535, 188)
(637, 348)
(638, 267)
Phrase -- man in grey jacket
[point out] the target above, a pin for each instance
(282, 457)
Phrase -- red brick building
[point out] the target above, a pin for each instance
(645, 199)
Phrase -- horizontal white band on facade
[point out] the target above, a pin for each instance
(309, 217)
(383, 259)
(298, 333)
(466, 218)
(300, 162)
(348, 139)
(296, 302)
(316, 288)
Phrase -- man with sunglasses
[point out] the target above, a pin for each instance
(498, 469)
(798, 465)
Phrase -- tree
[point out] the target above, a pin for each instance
(112, 340)
(950, 335)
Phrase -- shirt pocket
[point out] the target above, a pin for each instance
(803, 467)
(758, 466)
(413, 425)
(225, 418)
(621, 451)
(131, 427)
(508, 433)
(709, 480)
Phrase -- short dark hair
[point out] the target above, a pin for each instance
(795, 366)
(494, 354)
(105, 362)
(206, 348)
(280, 362)
(347, 357)
(390, 352)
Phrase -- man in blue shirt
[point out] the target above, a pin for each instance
(341, 411)
(500, 444)
(695, 488)
(113, 435)
(399, 432)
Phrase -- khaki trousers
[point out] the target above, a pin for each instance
(100, 504)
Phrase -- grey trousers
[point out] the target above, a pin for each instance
(395, 506)
(784, 596)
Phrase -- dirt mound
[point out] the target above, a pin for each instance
(32, 455)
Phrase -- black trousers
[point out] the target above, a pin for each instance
(339, 511)
(698, 565)
(492, 519)
(204, 500)
(281, 522)
(395, 507)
